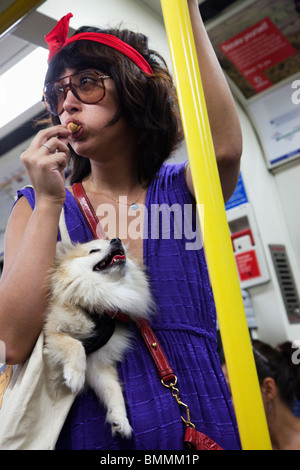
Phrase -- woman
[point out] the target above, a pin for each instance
(125, 133)
(279, 383)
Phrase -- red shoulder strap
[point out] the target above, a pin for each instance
(164, 369)
(88, 211)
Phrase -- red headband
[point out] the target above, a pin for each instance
(58, 38)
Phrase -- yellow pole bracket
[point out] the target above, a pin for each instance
(236, 342)
(15, 12)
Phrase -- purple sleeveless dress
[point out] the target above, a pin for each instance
(185, 325)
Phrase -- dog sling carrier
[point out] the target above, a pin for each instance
(194, 440)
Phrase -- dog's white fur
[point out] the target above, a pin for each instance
(75, 288)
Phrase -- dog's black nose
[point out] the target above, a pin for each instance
(115, 241)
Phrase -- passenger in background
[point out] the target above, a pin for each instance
(292, 354)
(279, 382)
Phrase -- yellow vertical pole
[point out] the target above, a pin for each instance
(217, 242)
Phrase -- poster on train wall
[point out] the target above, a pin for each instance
(258, 46)
(256, 50)
(276, 116)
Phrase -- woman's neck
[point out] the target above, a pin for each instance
(114, 176)
(115, 167)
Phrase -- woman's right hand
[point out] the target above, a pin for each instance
(46, 167)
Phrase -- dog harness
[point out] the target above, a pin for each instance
(104, 327)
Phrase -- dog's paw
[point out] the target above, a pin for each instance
(74, 379)
(119, 424)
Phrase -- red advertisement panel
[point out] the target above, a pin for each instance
(255, 50)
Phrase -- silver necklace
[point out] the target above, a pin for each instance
(133, 205)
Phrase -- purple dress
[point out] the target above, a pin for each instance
(185, 325)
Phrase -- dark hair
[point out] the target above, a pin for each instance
(277, 363)
(148, 102)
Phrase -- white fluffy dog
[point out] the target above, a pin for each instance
(88, 281)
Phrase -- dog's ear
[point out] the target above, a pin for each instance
(62, 248)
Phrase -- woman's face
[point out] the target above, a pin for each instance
(96, 137)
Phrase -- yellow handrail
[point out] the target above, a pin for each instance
(15, 12)
(236, 342)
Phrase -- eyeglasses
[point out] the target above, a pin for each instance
(87, 86)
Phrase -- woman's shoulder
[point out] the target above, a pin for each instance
(169, 185)
(172, 169)
(171, 173)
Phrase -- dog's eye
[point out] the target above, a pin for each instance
(95, 250)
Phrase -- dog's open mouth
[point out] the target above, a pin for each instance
(116, 257)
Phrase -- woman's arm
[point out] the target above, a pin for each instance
(223, 118)
(30, 242)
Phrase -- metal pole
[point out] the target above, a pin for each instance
(217, 243)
